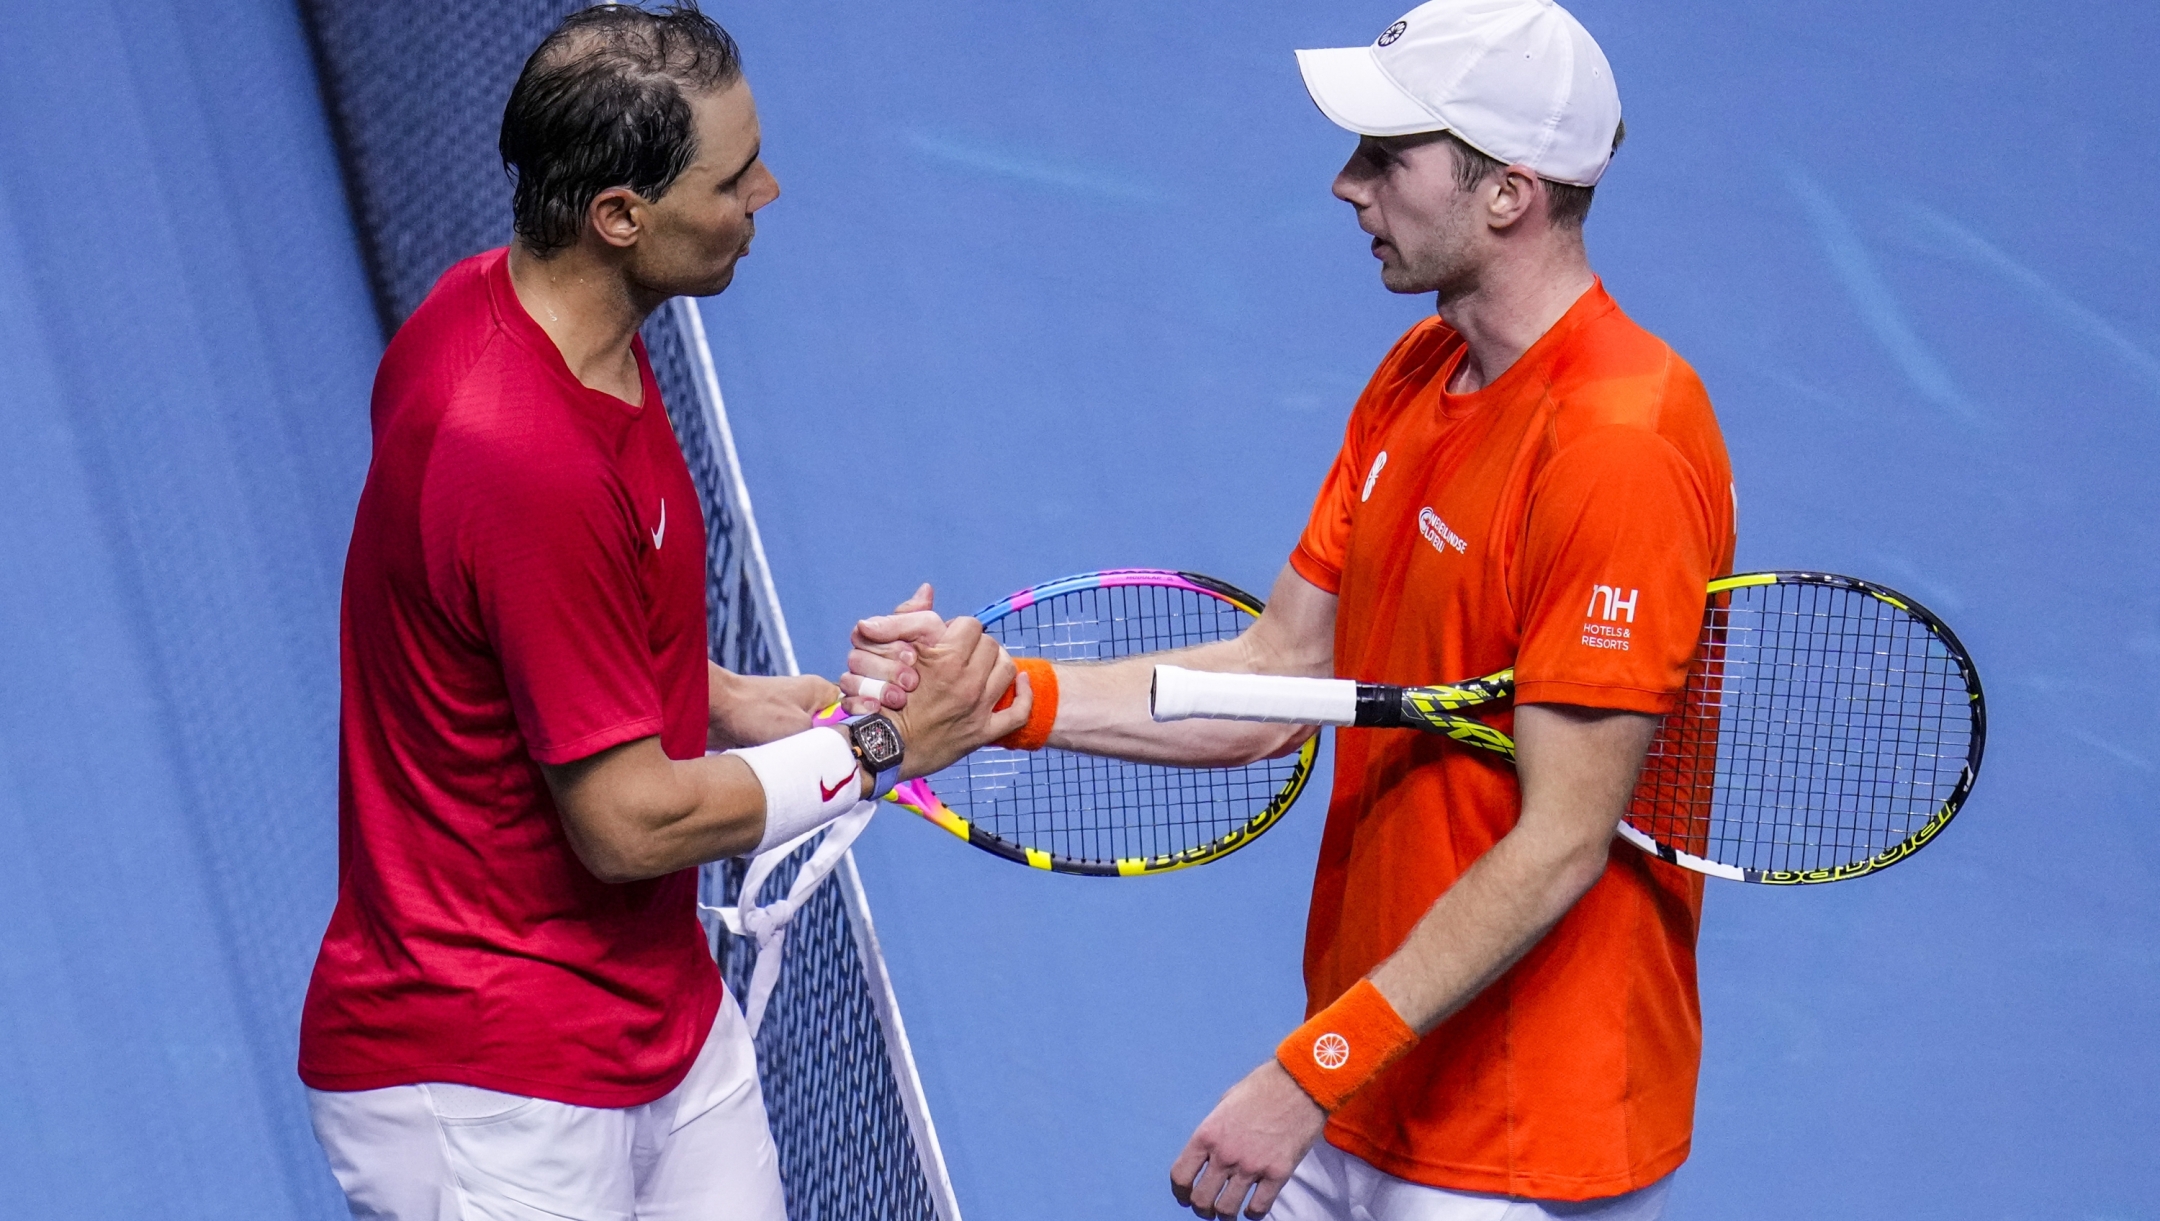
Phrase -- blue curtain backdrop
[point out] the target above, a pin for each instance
(1053, 288)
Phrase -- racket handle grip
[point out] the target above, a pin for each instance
(1179, 694)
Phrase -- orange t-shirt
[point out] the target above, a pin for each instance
(1563, 520)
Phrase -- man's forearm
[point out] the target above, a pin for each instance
(1103, 709)
(633, 813)
(719, 812)
(1578, 769)
(1484, 924)
(749, 709)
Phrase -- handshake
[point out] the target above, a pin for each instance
(948, 688)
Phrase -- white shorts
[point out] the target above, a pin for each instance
(1330, 1185)
(701, 1152)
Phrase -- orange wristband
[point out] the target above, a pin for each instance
(1345, 1045)
(1042, 680)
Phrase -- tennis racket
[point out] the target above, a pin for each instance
(1829, 728)
(1098, 817)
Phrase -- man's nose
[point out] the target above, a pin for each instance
(770, 188)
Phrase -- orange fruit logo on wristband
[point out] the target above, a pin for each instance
(1331, 1050)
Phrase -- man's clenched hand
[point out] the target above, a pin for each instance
(751, 709)
(963, 674)
(886, 648)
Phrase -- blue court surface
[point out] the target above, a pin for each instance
(1054, 288)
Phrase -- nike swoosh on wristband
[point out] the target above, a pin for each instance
(826, 794)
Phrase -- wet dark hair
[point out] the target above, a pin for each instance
(1570, 203)
(602, 103)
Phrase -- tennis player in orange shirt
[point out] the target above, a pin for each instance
(1502, 1012)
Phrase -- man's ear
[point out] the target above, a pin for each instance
(617, 215)
(1519, 191)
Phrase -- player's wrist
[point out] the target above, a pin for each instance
(809, 779)
(1339, 1050)
(1042, 714)
(880, 748)
(919, 739)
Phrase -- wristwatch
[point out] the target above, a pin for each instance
(877, 746)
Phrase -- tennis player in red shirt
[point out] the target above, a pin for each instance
(514, 1013)
(1502, 1015)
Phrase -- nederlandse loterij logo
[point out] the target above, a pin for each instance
(1437, 533)
(1331, 1050)
(1372, 476)
(1393, 32)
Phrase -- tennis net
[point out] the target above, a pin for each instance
(415, 93)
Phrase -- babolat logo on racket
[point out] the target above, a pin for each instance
(1331, 1051)
(1437, 533)
(1393, 32)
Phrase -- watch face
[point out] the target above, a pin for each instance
(880, 742)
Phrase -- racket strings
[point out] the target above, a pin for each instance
(1089, 808)
(1819, 727)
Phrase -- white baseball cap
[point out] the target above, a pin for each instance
(1518, 80)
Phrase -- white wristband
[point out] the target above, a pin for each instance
(809, 779)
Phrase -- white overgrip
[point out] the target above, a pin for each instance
(1180, 694)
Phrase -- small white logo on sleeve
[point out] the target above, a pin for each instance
(1437, 533)
(1373, 475)
(661, 531)
(1607, 607)
(1331, 1051)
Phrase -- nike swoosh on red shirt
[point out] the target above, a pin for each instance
(827, 793)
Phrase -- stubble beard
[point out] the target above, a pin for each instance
(1440, 268)
(694, 276)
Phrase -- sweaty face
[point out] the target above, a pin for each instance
(703, 224)
(1425, 228)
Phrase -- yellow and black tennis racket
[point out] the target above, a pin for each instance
(1830, 727)
(1085, 814)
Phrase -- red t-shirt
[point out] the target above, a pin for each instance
(1562, 520)
(526, 585)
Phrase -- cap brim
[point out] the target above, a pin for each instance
(1346, 83)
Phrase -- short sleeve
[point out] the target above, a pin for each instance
(1325, 545)
(553, 555)
(1617, 551)
(1326, 541)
